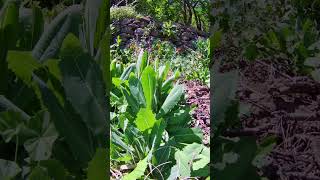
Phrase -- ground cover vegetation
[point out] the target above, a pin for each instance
(265, 89)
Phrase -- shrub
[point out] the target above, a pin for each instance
(117, 13)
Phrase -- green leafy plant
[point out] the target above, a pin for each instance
(122, 12)
(48, 124)
(168, 29)
(148, 105)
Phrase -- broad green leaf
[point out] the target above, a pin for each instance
(33, 25)
(148, 80)
(180, 118)
(95, 17)
(116, 82)
(9, 23)
(127, 71)
(142, 62)
(68, 124)
(172, 100)
(39, 173)
(133, 104)
(51, 40)
(203, 159)
(8, 169)
(164, 154)
(22, 64)
(97, 166)
(103, 21)
(53, 67)
(182, 161)
(145, 119)
(8, 105)
(118, 141)
(174, 173)
(138, 172)
(104, 61)
(215, 41)
(156, 133)
(9, 20)
(163, 71)
(192, 160)
(251, 51)
(186, 135)
(37, 25)
(84, 85)
(54, 168)
(185, 157)
(137, 90)
(168, 83)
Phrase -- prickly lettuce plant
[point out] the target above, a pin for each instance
(150, 123)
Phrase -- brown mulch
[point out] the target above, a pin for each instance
(288, 107)
(199, 95)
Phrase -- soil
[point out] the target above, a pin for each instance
(286, 106)
(199, 95)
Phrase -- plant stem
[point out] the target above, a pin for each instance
(16, 151)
